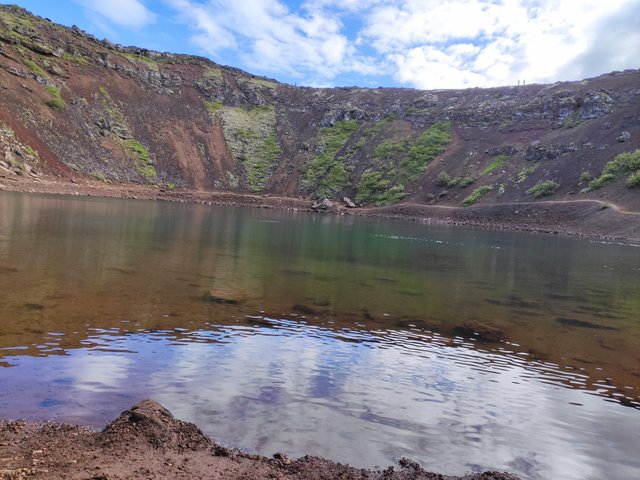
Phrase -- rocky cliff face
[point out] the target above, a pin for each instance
(84, 107)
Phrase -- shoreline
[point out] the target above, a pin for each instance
(592, 219)
(147, 442)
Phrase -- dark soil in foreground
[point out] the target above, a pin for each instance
(146, 442)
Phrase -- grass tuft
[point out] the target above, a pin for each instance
(55, 102)
(497, 162)
(476, 195)
(627, 163)
(425, 149)
(543, 189)
(34, 67)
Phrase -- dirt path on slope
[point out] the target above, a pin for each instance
(585, 218)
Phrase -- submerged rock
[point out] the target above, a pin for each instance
(299, 307)
(33, 306)
(430, 324)
(482, 331)
(574, 322)
(210, 297)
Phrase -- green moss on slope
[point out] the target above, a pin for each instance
(627, 163)
(252, 141)
(425, 149)
(399, 163)
(326, 174)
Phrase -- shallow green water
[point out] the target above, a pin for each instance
(336, 336)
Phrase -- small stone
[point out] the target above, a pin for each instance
(624, 137)
(283, 458)
(323, 205)
(298, 307)
(348, 202)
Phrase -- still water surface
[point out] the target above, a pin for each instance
(336, 336)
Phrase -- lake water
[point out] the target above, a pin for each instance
(334, 336)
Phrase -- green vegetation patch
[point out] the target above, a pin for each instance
(212, 72)
(75, 59)
(585, 177)
(464, 182)
(100, 176)
(15, 19)
(150, 62)
(112, 117)
(370, 186)
(525, 172)
(379, 126)
(543, 189)
(34, 67)
(398, 163)
(327, 174)
(262, 82)
(214, 108)
(31, 152)
(476, 195)
(138, 149)
(426, 148)
(144, 163)
(252, 141)
(55, 102)
(627, 163)
(496, 163)
(389, 149)
(268, 153)
(443, 179)
(634, 180)
(374, 188)
(119, 126)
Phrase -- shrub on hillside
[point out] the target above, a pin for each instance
(443, 179)
(476, 195)
(542, 189)
(627, 163)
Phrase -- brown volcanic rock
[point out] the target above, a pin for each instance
(152, 423)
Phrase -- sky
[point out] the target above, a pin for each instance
(424, 44)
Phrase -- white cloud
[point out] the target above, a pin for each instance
(271, 39)
(421, 43)
(124, 13)
(466, 43)
(413, 22)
